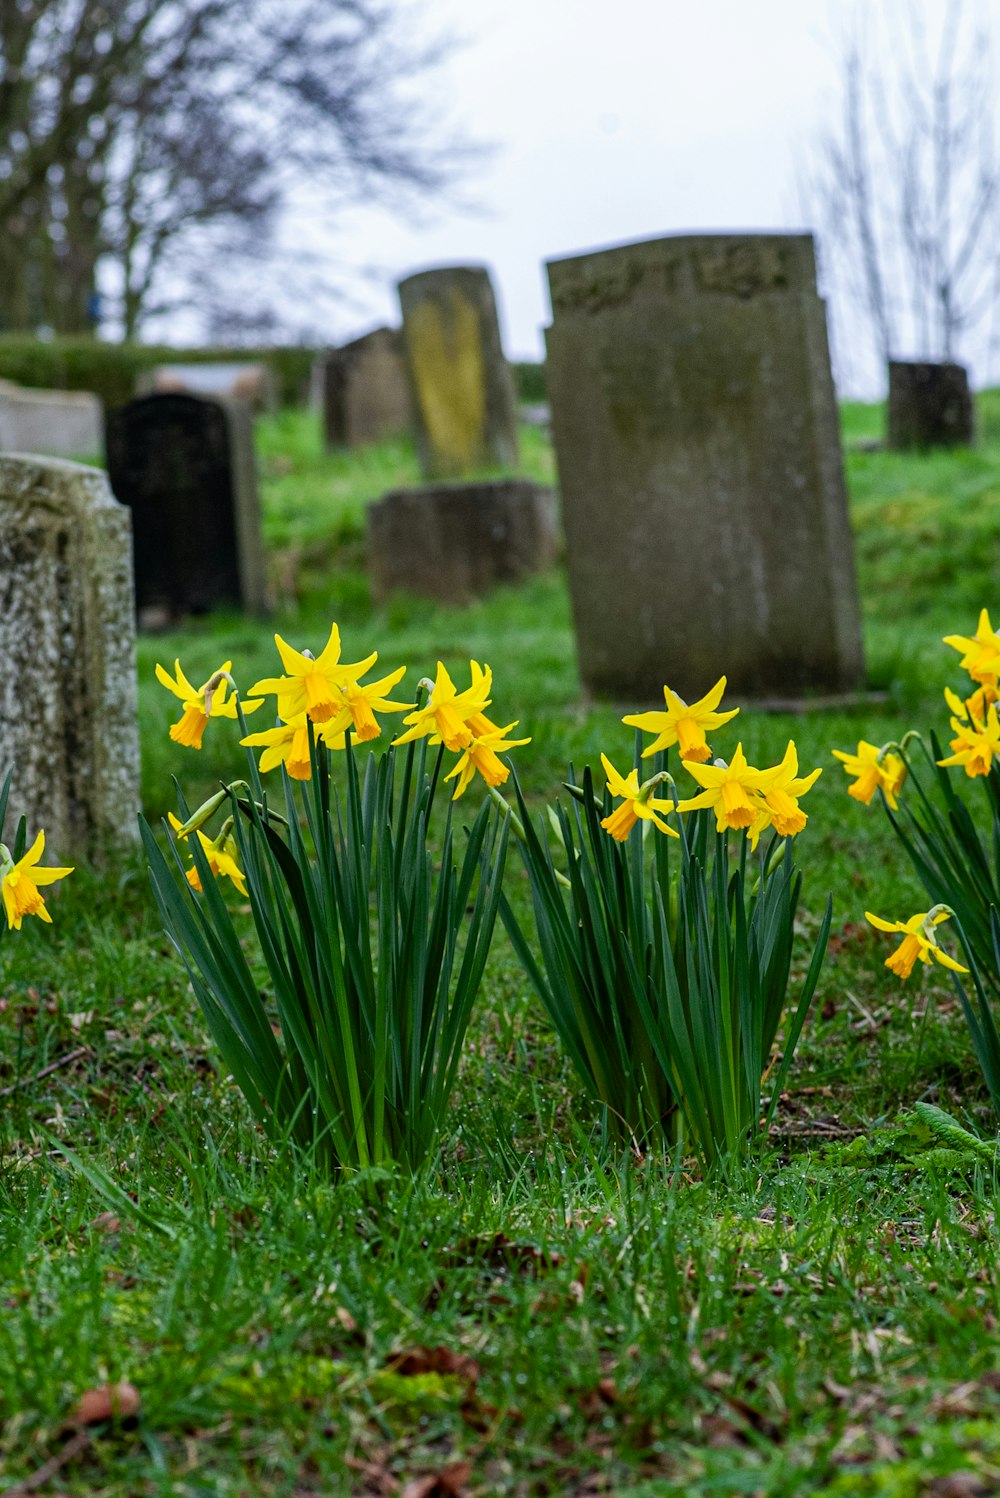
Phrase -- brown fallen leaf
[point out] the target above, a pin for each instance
(106, 1222)
(119, 1401)
(450, 1482)
(416, 1360)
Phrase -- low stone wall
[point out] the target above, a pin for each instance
(56, 423)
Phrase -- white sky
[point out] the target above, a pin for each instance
(613, 120)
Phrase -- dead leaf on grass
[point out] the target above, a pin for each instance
(450, 1482)
(119, 1401)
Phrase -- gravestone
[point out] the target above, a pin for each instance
(68, 720)
(364, 390)
(700, 469)
(454, 542)
(56, 423)
(463, 390)
(930, 405)
(252, 382)
(185, 467)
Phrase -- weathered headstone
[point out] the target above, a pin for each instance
(185, 467)
(251, 382)
(930, 405)
(454, 542)
(56, 423)
(463, 391)
(68, 720)
(364, 390)
(700, 469)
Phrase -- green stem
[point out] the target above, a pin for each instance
(518, 826)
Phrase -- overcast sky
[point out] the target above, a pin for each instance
(612, 120)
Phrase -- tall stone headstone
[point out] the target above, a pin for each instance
(700, 468)
(364, 390)
(930, 405)
(57, 423)
(185, 467)
(68, 720)
(463, 390)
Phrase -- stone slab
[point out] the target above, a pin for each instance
(68, 717)
(54, 423)
(463, 390)
(455, 542)
(930, 405)
(185, 467)
(701, 475)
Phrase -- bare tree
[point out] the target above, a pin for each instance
(142, 134)
(905, 186)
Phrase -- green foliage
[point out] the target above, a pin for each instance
(371, 1010)
(666, 977)
(110, 370)
(529, 381)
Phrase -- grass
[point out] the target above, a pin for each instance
(535, 1308)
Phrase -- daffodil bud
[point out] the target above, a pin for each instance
(204, 813)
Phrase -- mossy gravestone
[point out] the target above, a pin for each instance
(700, 469)
(463, 391)
(185, 466)
(67, 641)
(930, 405)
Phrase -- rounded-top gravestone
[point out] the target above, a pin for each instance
(463, 391)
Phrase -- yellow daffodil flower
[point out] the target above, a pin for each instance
(781, 797)
(481, 754)
(874, 769)
(209, 701)
(980, 652)
(975, 745)
(919, 943)
(638, 803)
(287, 744)
(971, 709)
(221, 854)
(446, 715)
(312, 686)
(732, 790)
(682, 724)
(361, 703)
(21, 883)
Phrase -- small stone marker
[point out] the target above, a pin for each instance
(185, 467)
(249, 382)
(463, 390)
(57, 423)
(364, 390)
(454, 542)
(702, 483)
(930, 405)
(67, 641)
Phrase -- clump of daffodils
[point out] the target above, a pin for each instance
(743, 798)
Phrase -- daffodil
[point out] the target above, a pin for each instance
(638, 803)
(683, 724)
(209, 701)
(22, 881)
(919, 943)
(313, 686)
(288, 744)
(732, 790)
(980, 652)
(221, 853)
(781, 796)
(445, 717)
(975, 745)
(481, 755)
(971, 709)
(359, 704)
(874, 769)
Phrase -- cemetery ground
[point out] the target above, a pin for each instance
(538, 1312)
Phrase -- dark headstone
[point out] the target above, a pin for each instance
(364, 390)
(454, 542)
(463, 389)
(185, 466)
(700, 469)
(930, 405)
